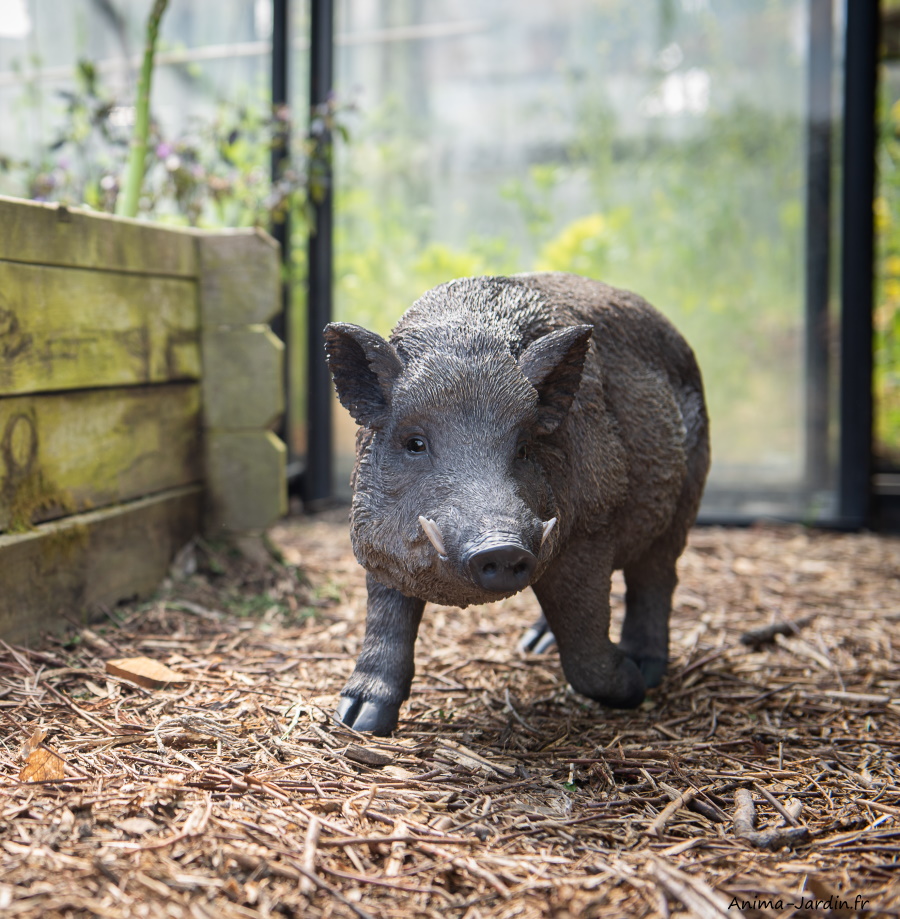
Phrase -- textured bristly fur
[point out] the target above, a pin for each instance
(526, 400)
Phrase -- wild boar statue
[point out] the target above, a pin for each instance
(539, 430)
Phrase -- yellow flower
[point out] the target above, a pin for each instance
(892, 291)
(882, 214)
(577, 247)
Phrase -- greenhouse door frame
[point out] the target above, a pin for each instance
(855, 492)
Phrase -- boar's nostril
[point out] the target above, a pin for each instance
(502, 568)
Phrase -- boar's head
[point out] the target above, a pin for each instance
(452, 502)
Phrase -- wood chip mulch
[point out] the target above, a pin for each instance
(200, 774)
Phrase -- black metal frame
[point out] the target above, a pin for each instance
(316, 486)
(857, 263)
(281, 229)
(311, 475)
(854, 461)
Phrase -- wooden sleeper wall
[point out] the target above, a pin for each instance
(243, 382)
(109, 450)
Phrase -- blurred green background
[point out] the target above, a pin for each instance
(658, 145)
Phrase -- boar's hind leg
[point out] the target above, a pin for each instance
(380, 681)
(651, 579)
(650, 583)
(574, 596)
(538, 637)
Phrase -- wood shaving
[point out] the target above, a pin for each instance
(503, 795)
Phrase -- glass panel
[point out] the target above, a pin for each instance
(661, 147)
(887, 224)
(211, 85)
(204, 62)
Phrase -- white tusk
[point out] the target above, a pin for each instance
(433, 534)
(548, 529)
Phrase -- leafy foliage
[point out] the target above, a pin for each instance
(127, 200)
(80, 164)
(709, 229)
(887, 299)
(708, 226)
(215, 174)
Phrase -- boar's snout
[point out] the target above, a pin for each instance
(502, 568)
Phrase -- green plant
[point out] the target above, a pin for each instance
(217, 173)
(886, 382)
(80, 163)
(533, 196)
(708, 228)
(127, 204)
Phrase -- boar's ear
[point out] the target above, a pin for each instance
(364, 367)
(553, 365)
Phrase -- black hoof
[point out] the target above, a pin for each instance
(618, 684)
(538, 638)
(378, 718)
(631, 689)
(653, 669)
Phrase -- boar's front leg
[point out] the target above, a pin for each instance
(385, 667)
(574, 596)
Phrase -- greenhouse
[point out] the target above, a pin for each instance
(688, 150)
(449, 459)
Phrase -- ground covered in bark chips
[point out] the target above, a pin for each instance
(761, 779)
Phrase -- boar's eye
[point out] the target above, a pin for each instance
(522, 451)
(416, 445)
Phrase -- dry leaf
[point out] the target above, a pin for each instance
(398, 772)
(145, 672)
(42, 765)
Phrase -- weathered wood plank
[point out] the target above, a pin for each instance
(243, 377)
(71, 328)
(240, 277)
(75, 451)
(245, 480)
(71, 567)
(243, 382)
(49, 234)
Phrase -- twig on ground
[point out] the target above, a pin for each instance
(310, 847)
(766, 634)
(745, 826)
(696, 895)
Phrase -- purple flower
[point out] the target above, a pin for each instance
(164, 150)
